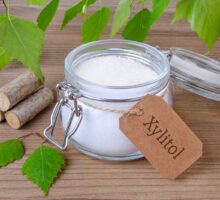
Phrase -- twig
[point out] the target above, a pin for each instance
(24, 136)
(29, 134)
(45, 140)
(40, 136)
(6, 7)
(3, 1)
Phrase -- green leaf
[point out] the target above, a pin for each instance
(36, 2)
(158, 8)
(142, 1)
(95, 25)
(2, 18)
(43, 166)
(4, 59)
(22, 40)
(10, 151)
(183, 8)
(121, 16)
(203, 16)
(73, 11)
(47, 14)
(138, 27)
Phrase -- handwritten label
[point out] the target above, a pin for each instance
(161, 135)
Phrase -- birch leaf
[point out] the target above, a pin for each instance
(121, 16)
(22, 40)
(10, 151)
(138, 27)
(47, 14)
(158, 8)
(95, 25)
(73, 11)
(203, 16)
(4, 59)
(43, 166)
(36, 2)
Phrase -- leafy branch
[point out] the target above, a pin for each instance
(27, 37)
(41, 167)
(22, 40)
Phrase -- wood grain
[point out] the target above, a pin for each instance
(87, 178)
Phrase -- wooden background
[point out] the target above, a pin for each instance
(87, 178)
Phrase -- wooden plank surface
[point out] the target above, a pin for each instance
(87, 178)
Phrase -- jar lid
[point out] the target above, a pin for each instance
(196, 73)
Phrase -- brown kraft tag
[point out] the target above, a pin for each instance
(161, 135)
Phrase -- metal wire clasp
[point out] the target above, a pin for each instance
(167, 53)
(68, 94)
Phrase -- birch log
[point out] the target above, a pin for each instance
(18, 89)
(29, 108)
(2, 116)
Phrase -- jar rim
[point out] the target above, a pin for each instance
(164, 74)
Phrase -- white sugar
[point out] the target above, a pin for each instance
(113, 70)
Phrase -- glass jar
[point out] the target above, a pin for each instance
(98, 134)
(90, 112)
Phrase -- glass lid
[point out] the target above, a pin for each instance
(196, 73)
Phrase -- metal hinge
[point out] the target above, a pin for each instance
(68, 94)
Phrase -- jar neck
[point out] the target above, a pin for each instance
(154, 58)
(118, 95)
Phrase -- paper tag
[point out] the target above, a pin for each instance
(161, 135)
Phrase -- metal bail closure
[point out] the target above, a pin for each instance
(69, 94)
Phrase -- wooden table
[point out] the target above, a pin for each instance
(88, 178)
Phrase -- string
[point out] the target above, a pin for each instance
(134, 111)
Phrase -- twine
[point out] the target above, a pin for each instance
(134, 111)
